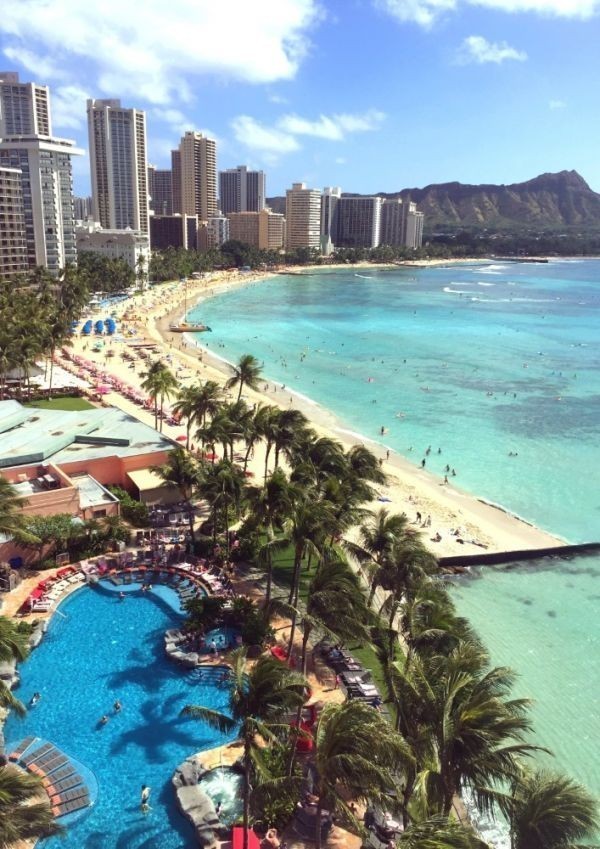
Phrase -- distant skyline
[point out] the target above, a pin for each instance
(370, 95)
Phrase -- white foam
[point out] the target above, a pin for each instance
(482, 283)
(456, 291)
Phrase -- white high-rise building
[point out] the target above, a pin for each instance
(241, 190)
(303, 217)
(24, 107)
(194, 167)
(47, 187)
(119, 166)
(13, 248)
(414, 226)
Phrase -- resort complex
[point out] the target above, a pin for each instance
(298, 493)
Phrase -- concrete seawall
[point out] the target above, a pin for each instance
(498, 558)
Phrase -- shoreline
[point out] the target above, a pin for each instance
(487, 526)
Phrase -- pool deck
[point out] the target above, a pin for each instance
(320, 677)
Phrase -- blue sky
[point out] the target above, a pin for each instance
(371, 95)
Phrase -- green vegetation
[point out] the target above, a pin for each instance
(35, 320)
(134, 512)
(449, 721)
(103, 274)
(65, 402)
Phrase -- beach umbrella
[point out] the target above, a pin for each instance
(182, 438)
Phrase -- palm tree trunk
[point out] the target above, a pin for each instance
(247, 455)
(156, 412)
(238, 397)
(162, 401)
(246, 790)
(269, 578)
(188, 429)
(51, 372)
(295, 573)
(267, 452)
(305, 638)
(318, 824)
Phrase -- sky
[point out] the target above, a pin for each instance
(369, 95)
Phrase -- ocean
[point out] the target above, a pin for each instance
(497, 365)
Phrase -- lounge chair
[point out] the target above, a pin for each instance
(71, 807)
(69, 795)
(21, 748)
(44, 767)
(57, 787)
(37, 753)
(59, 775)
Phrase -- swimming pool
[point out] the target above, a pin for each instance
(223, 785)
(99, 649)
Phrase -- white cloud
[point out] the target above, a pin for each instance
(251, 133)
(148, 52)
(478, 50)
(557, 104)
(68, 106)
(426, 12)
(41, 66)
(334, 127)
(278, 98)
(282, 137)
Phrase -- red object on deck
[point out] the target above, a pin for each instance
(237, 838)
(66, 571)
(279, 653)
(35, 594)
(305, 742)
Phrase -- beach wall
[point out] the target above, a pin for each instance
(498, 558)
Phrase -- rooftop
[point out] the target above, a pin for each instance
(36, 435)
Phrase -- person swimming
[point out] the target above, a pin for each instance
(35, 699)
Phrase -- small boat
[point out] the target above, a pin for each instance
(186, 327)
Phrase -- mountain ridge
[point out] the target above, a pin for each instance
(548, 201)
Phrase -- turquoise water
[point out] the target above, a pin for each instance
(97, 650)
(480, 361)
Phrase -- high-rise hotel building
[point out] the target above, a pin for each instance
(13, 247)
(44, 163)
(119, 167)
(303, 217)
(241, 190)
(24, 107)
(194, 168)
(160, 189)
(359, 222)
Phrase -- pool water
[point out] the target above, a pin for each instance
(223, 786)
(99, 649)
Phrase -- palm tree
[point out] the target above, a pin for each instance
(270, 505)
(182, 471)
(440, 833)
(13, 646)
(165, 385)
(259, 701)
(550, 811)
(245, 373)
(22, 815)
(478, 732)
(151, 385)
(12, 522)
(208, 401)
(266, 423)
(335, 605)
(357, 756)
(186, 407)
(223, 487)
(291, 425)
(376, 542)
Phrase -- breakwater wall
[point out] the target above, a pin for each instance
(498, 558)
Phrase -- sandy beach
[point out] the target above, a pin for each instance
(443, 507)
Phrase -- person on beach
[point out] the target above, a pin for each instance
(423, 461)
